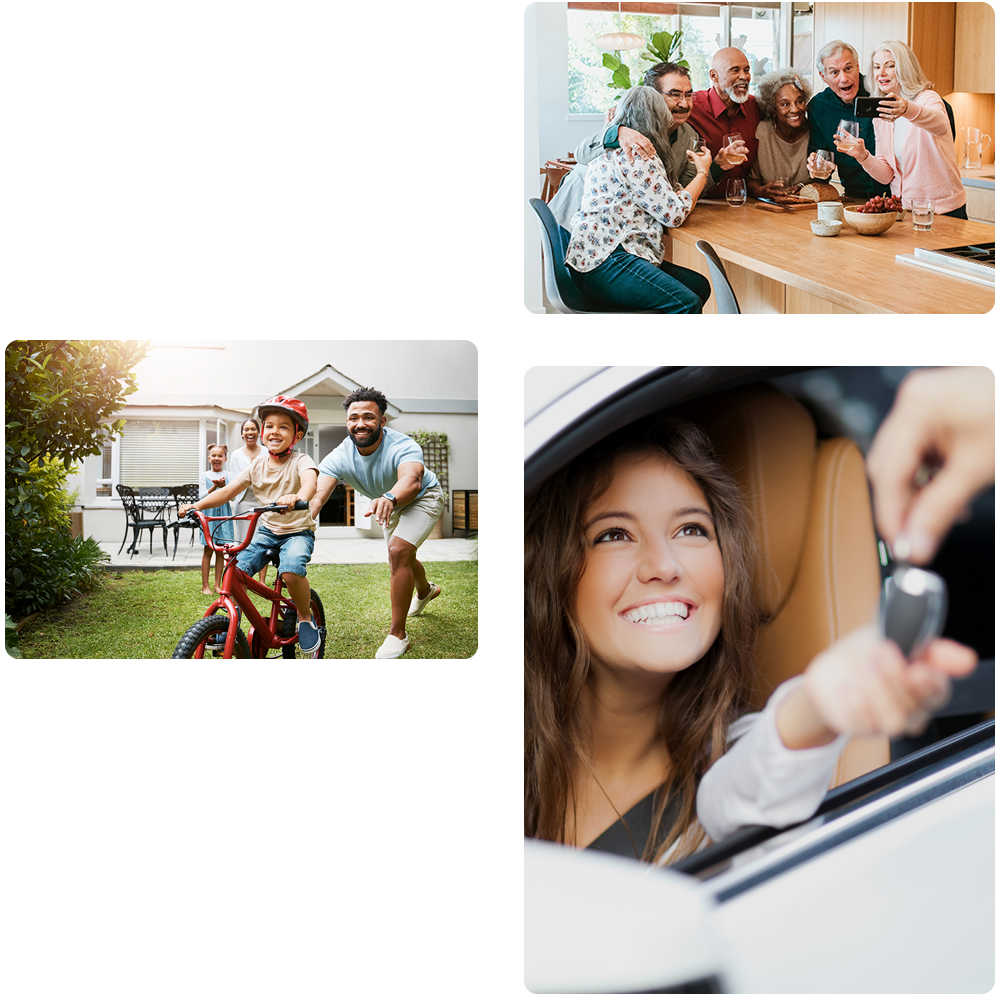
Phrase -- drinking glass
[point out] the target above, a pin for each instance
(851, 128)
(824, 163)
(736, 192)
(922, 210)
(732, 140)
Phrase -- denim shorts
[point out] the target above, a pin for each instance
(296, 551)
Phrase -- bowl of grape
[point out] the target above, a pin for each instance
(875, 216)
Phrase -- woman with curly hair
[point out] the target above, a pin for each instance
(639, 632)
(783, 134)
(914, 146)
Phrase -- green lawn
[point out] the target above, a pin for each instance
(137, 615)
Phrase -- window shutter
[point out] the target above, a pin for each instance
(159, 453)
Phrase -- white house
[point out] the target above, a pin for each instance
(191, 395)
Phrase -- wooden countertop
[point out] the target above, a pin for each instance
(859, 273)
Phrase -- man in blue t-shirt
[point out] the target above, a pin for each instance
(406, 499)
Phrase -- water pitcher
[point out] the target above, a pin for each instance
(972, 140)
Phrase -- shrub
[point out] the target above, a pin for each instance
(10, 637)
(43, 564)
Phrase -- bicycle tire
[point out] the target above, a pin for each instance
(202, 630)
(291, 623)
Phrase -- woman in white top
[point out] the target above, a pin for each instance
(240, 459)
(615, 252)
(639, 632)
(782, 135)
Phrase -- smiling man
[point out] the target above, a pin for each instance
(837, 63)
(727, 108)
(388, 466)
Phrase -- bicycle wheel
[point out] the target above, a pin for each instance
(199, 636)
(290, 623)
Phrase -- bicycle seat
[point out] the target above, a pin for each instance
(273, 556)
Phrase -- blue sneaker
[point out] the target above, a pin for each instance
(308, 637)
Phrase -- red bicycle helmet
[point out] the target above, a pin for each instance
(295, 408)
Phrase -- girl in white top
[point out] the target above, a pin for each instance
(639, 630)
(241, 459)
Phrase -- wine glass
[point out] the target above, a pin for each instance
(736, 192)
(850, 127)
(824, 163)
(732, 140)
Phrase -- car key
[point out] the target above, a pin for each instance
(914, 606)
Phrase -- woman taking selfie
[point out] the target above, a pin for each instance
(615, 252)
(914, 146)
(639, 631)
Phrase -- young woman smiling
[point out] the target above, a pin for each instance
(782, 135)
(639, 630)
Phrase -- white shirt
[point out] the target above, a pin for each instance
(759, 781)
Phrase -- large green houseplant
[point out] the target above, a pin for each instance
(664, 46)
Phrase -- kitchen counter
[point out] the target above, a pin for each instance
(777, 265)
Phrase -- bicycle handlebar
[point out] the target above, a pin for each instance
(253, 516)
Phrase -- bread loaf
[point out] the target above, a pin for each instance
(820, 191)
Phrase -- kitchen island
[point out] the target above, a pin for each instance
(777, 265)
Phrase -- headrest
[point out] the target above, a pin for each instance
(768, 442)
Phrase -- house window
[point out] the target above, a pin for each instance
(706, 27)
(106, 480)
(160, 453)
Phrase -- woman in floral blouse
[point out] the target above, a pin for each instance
(615, 251)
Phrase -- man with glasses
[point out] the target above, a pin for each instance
(674, 83)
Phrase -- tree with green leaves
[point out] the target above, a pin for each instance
(60, 396)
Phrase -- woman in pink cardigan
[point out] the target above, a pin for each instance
(914, 146)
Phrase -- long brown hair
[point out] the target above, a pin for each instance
(700, 702)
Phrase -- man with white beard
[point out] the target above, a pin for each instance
(727, 108)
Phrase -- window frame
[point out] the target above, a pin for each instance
(786, 17)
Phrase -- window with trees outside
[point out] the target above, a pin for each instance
(705, 28)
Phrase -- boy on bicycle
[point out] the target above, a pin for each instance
(280, 476)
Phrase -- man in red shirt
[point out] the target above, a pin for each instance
(727, 108)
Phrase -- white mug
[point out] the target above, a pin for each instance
(830, 210)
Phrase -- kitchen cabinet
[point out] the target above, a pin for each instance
(975, 49)
(928, 28)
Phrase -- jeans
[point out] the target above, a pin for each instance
(958, 213)
(630, 284)
(295, 551)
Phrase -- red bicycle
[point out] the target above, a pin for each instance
(219, 633)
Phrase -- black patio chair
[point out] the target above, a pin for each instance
(137, 517)
(184, 494)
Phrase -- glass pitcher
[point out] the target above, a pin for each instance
(972, 142)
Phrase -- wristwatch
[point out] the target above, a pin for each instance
(389, 496)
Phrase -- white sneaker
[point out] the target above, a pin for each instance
(418, 603)
(392, 647)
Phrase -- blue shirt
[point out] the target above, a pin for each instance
(371, 475)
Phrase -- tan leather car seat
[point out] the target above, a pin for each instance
(817, 576)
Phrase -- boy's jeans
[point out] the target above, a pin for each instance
(296, 551)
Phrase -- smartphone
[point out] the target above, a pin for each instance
(867, 107)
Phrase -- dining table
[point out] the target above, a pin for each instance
(776, 264)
